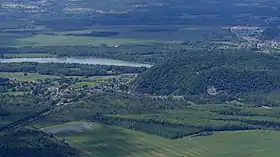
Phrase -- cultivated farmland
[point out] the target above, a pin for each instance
(107, 141)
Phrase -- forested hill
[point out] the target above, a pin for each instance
(31, 143)
(212, 73)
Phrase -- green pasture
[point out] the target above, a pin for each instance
(107, 141)
(84, 83)
(28, 55)
(58, 40)
(90, 81)
(28, 77)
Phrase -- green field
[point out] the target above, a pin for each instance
(84, 83)
(29, 77)
(58, 40)
(90, 81)
(28, 55)
(80, 31)
(108, 141)
(93, 81)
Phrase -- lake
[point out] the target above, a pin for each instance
(89, 60)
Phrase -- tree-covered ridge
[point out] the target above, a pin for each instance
(26, 142)
(213, 72)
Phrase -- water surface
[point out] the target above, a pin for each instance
(91, 60)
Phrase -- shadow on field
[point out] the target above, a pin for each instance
(107, 142)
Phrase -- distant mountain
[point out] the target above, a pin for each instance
(212, 73)
(81, 13)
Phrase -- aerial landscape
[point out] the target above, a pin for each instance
(139, 78)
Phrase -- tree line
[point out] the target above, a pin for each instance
(61, 69)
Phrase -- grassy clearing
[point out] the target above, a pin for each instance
(16, 93)
(107, 141)
(84, 83)
(57, 40)
(224, 42)
(105, 78)
(93, 81)
(80, 31)
(90, 81)
(29, 77)
(28, 55)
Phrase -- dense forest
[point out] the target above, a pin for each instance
(213, 73)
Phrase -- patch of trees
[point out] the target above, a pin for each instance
(68, 69)
(26, 142)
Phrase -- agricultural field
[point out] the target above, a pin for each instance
(107, 141)
(27, 55)
(95, 80)
(117, 35)
(141, 43)
(33, 77)
(84, 83)
(52, 40)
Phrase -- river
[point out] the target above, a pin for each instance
(89, 60)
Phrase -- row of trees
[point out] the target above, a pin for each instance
(128, 52)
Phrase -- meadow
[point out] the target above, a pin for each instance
(93, 81)
(33, 77)
(28, 55)
(107, 141)
(54, 40)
